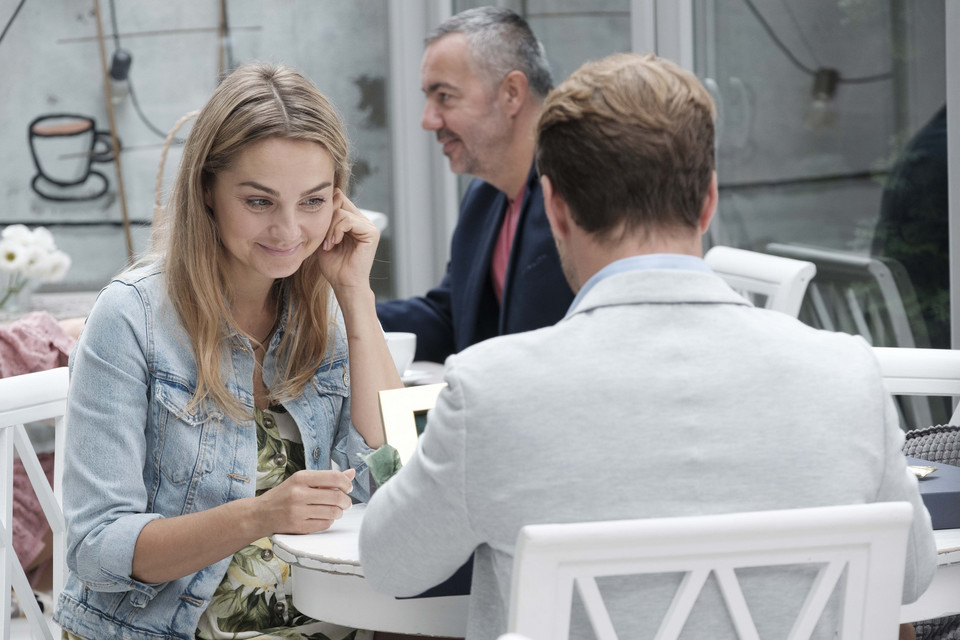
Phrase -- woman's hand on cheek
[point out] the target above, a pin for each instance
(346, 253)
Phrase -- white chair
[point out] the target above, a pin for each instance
(865, 295)
(780, 281)
(921, 372)
(870, 296)
(30, 398)
(868, 541)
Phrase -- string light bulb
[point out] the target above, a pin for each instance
(119, 74)
(821, 113)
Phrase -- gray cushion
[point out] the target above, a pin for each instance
(940, 443)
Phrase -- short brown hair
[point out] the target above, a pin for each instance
(629, 141)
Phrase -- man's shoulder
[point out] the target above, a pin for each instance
(775, 345)
(505, 356)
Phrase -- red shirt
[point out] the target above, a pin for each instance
(501, 251)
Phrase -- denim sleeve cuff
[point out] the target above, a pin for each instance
(350, 453)
(117, 547)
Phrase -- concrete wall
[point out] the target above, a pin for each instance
(52, 64)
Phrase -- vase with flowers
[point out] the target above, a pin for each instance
(28, 257)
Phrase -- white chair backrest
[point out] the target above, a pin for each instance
(781, 281)
(30, 398)
(869, 541)
(858, 294)
(921, 372)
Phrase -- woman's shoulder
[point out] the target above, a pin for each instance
(135, 291)
(142, 276)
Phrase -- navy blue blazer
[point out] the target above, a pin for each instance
(463, 309)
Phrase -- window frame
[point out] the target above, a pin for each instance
(666, 27)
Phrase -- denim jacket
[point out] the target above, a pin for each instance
(133, 453)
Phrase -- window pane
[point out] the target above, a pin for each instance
(832, 148)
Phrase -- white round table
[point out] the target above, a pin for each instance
(328, 585)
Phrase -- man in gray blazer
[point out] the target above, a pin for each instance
(661, 393)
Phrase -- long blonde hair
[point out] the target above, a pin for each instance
(255, 102)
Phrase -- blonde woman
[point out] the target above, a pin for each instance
(217, 383)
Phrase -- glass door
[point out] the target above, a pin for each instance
(832, 148)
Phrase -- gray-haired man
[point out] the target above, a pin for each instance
(485, 76)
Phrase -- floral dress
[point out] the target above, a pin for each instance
(256, 592)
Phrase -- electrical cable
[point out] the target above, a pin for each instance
(227, 39)
(113, 25)
(796, 62)
(146, 121)
(803, 37)
(12, 18)
(133, 96)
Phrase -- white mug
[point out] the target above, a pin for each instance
(402, 346)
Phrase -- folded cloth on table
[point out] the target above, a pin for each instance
(35, 342)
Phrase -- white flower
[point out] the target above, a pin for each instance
(18, 233)
(36, 266)
(44, 239)
(58, 264)
(13, 255)
(29, 255)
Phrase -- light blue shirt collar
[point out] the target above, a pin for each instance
(641, 263)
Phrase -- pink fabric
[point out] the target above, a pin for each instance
(35, 342)
(501, 252)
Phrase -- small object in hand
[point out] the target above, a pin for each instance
(920, 471)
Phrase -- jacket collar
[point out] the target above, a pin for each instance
(658, 286)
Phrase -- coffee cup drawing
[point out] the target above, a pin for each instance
(64, 147)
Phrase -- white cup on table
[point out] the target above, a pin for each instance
(402, 346)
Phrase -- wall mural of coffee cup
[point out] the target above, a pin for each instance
(64, 147)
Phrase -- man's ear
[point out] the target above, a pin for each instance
(558, 213)
(514, 90)
(709, 204)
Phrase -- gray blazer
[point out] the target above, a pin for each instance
(664, 393)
